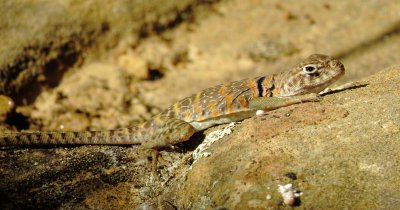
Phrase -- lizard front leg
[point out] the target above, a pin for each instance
(166, 131)
(346, 86)
(270, 103)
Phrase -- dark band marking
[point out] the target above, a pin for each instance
(271, 89)
(64, 136)
(7, 140)
(113, 133)
(260, 86)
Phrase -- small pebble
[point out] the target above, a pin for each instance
(289, 195)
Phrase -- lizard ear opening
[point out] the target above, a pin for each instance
(310, 69)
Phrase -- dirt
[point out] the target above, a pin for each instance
(97, 65)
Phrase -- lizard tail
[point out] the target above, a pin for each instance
(123, 136)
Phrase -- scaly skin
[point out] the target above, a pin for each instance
(217, 105)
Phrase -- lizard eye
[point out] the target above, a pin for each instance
(310, 69)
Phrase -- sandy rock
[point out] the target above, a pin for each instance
(341, 155)
(336, 153)
(133, 64)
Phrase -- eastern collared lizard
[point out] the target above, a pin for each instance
(221, 104)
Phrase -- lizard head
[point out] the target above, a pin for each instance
(312, 75)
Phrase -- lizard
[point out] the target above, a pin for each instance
(221, 104)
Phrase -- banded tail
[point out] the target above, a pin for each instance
(121, 136)
(157, 133)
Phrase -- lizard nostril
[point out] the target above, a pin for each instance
(335, 63)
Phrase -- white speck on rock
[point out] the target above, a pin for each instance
(289, 195)
(260, 112)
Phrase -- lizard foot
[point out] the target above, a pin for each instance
(346, 86)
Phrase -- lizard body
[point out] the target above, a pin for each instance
(217, 105)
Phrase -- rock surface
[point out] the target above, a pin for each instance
(340, 153)
(343, 152)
